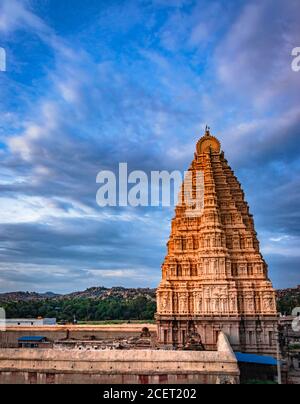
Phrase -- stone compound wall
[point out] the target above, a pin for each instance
(9, 339)
(24, 366)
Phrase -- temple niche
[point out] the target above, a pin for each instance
(214, 277)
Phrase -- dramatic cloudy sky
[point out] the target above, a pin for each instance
(93, 83)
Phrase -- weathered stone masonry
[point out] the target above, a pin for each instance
(48, 366)
(214, 277)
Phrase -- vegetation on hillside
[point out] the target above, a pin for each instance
(287, 300)
(83, 309)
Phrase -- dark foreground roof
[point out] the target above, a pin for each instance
(259, 359)
(31, 339)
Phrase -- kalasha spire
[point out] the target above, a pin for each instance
(208, 142)
(214, 276)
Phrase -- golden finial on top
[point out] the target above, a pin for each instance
(208, 142)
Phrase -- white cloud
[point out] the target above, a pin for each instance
(38, 209)
(254, 58)
(15, 14)
(279, 238)
(285, 245)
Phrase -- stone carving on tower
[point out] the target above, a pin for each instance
(214, 277)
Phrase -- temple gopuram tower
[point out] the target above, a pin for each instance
(214, 277)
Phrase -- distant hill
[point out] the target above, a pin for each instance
(288, 299)
(101, 293)
(97, 293)
(26, 296)
(93, 304)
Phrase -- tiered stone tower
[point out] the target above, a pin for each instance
(214, 277)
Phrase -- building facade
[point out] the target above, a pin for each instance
(27, 322)
(214, 277)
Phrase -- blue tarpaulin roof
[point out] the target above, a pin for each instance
(259, 359)
(31, 339)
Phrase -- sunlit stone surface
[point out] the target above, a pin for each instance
(214, 277)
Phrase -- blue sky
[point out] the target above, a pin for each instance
(91, 84)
